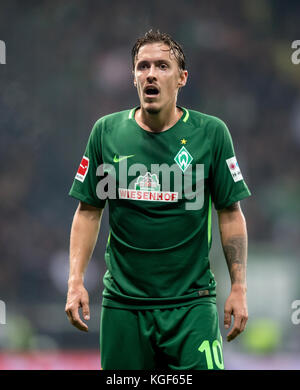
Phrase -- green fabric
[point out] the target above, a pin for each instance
(158, 252)
(184, 338)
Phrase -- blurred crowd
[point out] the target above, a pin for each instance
(68, 63)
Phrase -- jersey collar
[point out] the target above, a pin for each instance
(185, 116)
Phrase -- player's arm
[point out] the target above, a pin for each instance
(84, 234)
(233, 232)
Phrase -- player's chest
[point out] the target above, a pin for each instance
(179, 152)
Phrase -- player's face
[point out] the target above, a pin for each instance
(157, 77)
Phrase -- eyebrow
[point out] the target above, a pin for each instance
(160, 61)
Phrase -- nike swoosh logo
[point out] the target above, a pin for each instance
(116, 159)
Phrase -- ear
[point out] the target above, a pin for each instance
(134, 80)
(182, 78)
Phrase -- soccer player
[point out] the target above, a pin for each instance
(160, 167)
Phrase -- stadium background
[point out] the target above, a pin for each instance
(68, 63)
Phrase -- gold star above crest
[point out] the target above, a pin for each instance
(183, 141)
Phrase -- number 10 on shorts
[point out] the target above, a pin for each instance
(212, 352)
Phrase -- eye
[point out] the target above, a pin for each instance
(142, 66)
(163, 66)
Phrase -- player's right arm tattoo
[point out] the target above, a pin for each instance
(234, 242)
(235, 251)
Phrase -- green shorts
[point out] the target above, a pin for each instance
(182, 338)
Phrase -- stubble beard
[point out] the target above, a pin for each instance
(152, 110)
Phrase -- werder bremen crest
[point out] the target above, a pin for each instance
(183, 159)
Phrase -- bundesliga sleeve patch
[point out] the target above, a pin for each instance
(82, 169)
(234, 169)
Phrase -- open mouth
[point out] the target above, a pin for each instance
(151, 91)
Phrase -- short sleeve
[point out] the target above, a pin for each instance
(85, 181)
(227, 184)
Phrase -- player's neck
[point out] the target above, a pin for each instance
(158, 122)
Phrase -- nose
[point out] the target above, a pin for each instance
(151, 76)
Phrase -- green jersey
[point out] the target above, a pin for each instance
(160, 188)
